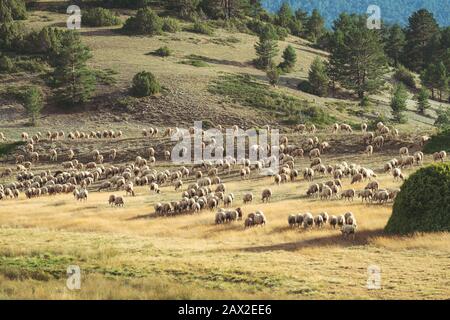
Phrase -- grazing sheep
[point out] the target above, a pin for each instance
(333, 221)
(348, 230)
(346, 128)
(373, 185)
(314, 153)
(364, 127)
(266, 195)
(369, 150)
(397, 174)
(292, 220)
(403, 151)
(326, 193)
(365, 195)
(259, 218)
(308, 220)
(440, 156)
(119, 202)
(220, 217)
(348, 194)
(381, 196)
(318, 221)
(378, 141)
(340, 220)
(308, 174)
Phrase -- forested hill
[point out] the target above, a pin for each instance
(392, 11)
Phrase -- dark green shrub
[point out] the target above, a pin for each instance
(6, 64)
(145, 84)
(195, 63)
(170, 25)
(305, 86)
(11, 36)
(423, 204)
(201, 27)
(438, 142)
(163, 52)
(13, 9)
(443, 119)
(146, 22)
(405, 76)
(100, 17)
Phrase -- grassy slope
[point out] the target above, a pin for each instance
(131, 254)
(187, 84)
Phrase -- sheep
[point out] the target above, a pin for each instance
(382, 196)
(369, 150)
(333, 221)
(439, 156)
(318, 221)
(357, 178)
(397, 174)
(112, 199)
(300, 128)
(167, 155)
(346, 128)
(248, 222)
(312, 190)
(292, 220)
(326, 193)
(418, 157)
(348, 230)
(308, 174)
(53, 155)
(407, 161)
(113, 154)
(259, 218)
(220, 217)
(340, 220)
(228, 200)
(403, 151)
(348, 194)
(314, 153)
(378, 141)
(364, 127)
(82, 194)
(178, 184)
(308, 220)
(315, 162)
(266, 195)
(365, 195)
(373, 185)
(248, 198)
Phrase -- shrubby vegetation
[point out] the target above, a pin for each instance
(163, 52)
(439, 141)
(423, 204)
(100, 17)
(33, 103)
(405, 76)
(145, 84)
(145, 22)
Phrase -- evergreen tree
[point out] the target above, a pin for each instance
(186, 9)
(428, 78)
(285, 15)
(75, 82)
(398, 102)
(318, 78)
(145, 22)
(395, 44)
(273, 74)
(315, 26)
(420, 38)
(357, 59)
(441, 79)
(33, 103)
(422, 100)
(266, 48)
(289, 59)
(12, 10)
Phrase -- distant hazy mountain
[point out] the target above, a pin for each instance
(392, 11)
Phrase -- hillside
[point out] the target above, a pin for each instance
(187, 93)
(391, 11)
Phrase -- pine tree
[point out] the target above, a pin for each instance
(33, 103)
(395, 44)
(420, 39)
(75, 82)
(428, 78)
(357, 58)
(318, 78)
(441, 79)
(266, 48)
(273, 74)
(315, 27)
(285, 15)
(289, 59)
(398, 102)
(422, 100)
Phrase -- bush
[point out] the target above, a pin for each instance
(163, 52)
(305, 86)
(438, 142)
(170, 25)
(6, 64)
(405, 76)
(145, 84)
(201, 27)
(100, 17)
(443, 118)
(423, 204)
(13, 9)
(11, 36)
(146, 22)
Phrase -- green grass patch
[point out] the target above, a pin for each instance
(247, 91)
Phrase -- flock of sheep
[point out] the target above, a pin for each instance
(208, 191)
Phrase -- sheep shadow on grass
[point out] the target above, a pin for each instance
(362, 238)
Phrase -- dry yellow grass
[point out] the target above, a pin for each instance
(128, 253)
